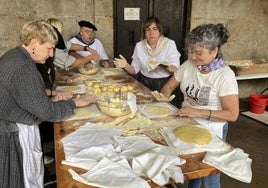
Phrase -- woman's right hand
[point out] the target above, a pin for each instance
(120, 62)
(161, 97)
(84, 101)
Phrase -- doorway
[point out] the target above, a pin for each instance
(129, 16)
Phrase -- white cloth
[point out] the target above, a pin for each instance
(158, 166)
(216, 127)
(87, 136)
(109, 174)
(203, 91)
(132, 102)
(155, 161)
(94, 147)
(33, 168)
(140, 59)
(97, 45)
(62, 59)
(233, 162)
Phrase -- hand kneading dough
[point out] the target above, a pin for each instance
(193, 135)
(82, 112)
(156, 110)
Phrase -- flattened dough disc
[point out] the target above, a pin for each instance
(193, 135)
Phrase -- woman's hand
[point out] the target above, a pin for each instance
(84, 101)
(120, 62)
(61, 95)
(161, 97)
(190, 112)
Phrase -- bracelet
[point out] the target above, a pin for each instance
(209, 116)
(85, 48)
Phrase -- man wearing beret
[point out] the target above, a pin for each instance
(86, 37)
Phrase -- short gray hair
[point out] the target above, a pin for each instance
(208, 36)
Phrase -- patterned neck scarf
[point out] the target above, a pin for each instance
(78, 37)
(214, 65)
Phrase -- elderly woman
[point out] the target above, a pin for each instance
(208, 84)
(156, 58)
(24, 104)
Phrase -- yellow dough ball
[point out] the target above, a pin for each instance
(124, 88)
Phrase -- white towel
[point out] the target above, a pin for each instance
(233, 162)
(109, 174)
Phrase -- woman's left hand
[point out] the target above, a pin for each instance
(62, 95)
(189, 112)
(161, 97)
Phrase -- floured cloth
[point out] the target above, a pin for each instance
(89, 111)
(157, 162)
(92, 145)
(216, 144)
(87, 136)
(233, 162)
(109, 174)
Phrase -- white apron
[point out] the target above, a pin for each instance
(33, 168)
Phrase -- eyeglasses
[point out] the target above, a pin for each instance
(151, 29)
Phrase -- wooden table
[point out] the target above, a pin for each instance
(192, 169)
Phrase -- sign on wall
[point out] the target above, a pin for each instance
(131, 13)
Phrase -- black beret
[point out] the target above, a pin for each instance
(83, 23)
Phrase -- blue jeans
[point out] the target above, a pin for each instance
(212, 181)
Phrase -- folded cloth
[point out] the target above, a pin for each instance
(87, 136)
(109, 174)
(233, 162)
(155, 161)
(158, 166)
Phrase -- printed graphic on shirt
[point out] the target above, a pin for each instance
(198, 96)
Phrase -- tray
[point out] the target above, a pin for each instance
(242, 67)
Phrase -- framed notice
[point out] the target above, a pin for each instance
(131, 13)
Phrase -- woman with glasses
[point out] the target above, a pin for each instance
(155, 58)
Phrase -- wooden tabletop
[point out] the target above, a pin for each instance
(192, 169)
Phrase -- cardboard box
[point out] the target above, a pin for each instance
(242, 67)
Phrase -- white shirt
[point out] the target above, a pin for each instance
(97, 45)
(203, 91)
(140, 59)
(62, 59)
